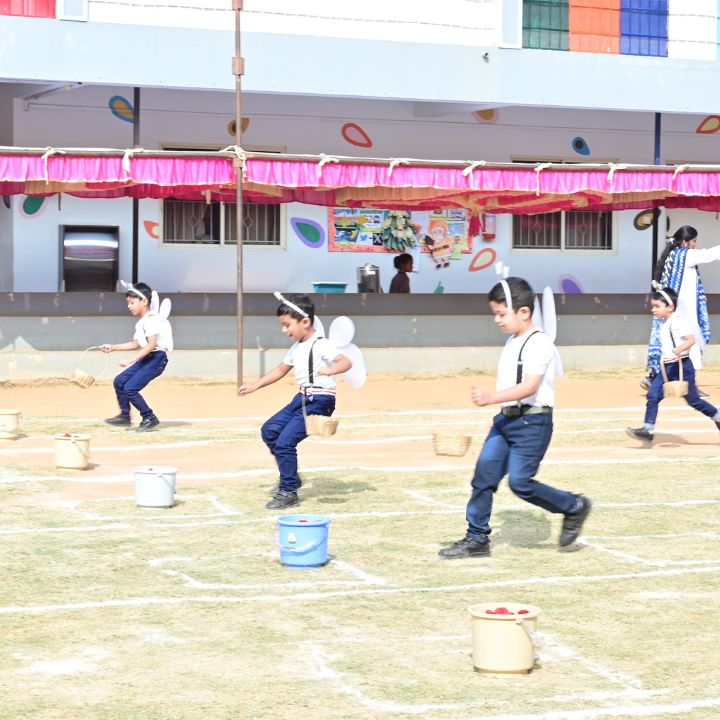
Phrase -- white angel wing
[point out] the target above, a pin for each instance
(342, 331)
(355, 377)
(154, 302)
(548, 313)
(537, 316)
(319, 327)
(165, 308)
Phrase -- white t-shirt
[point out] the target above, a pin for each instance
(324, 353)
(673, 330)
(152, 324)
(538, 358)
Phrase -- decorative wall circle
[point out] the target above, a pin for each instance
(32, 206)
(152, 229)
(355, 135)
(310, 233)
(232, 125)
(570, 285)
(580, 146)
(122, 108)
(484, 259)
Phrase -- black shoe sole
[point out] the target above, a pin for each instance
(584, 516)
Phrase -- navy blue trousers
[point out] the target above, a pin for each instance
(514, 447)
(284, 430)
(693, 399)
(132, 380)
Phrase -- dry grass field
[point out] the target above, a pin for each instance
(109, 611)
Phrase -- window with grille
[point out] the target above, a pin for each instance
(197, 222)
(569, 230)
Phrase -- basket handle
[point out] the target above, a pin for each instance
(82, 355)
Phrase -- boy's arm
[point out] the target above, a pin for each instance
(529, 386)
(108, 348)
(687, 342)
(269, 378)
(340, 364)
(144, 351)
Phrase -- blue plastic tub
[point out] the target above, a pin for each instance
(303, 540)
(329, 287)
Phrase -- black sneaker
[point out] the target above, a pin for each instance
(275, 488)
(283, 499)
(641, 434)
(717, 425)
(645, 383)
(465, 548)
(573, 522)
(703, 394)
(148, 423)
(119, 420)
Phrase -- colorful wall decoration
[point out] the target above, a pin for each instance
(310, 233)
(626, 27)
(352, 133)
(152, 228)
(122, 108)
(360, 230)
(580, 146)
(32, 206)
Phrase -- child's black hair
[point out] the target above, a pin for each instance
(140, 287)
(658, 295)
(521, 294)
(401, 259)
(303, 302)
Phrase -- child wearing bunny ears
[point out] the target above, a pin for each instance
(153, 340)
(316, 361)
(676, 337)
(521, 431)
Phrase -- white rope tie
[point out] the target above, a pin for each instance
(470, 169)
(394, 162)
(45, 157)
(324, 160)
(538, 169)
(239, 159)
(611, 173)
(678, 170)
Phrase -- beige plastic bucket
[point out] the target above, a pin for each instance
(9, 424)
(155, 486)
(504, 643)
(72, 451)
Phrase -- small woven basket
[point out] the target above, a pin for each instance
(320, 425)
(455, 445)
(83, 379)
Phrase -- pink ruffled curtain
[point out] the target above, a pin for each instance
(327, 181)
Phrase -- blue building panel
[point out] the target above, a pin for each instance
(644, 27)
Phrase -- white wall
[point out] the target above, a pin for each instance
(306, 125)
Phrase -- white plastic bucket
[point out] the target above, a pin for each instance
(72, 451)
(9, 424)
(504, 643)
(155, 486)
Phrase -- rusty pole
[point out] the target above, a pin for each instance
(238, 68)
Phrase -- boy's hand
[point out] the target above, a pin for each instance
(480, 397)
(246, 389)
(106, 348)
(323, 371)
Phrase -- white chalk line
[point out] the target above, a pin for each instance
(599, 547)
(116, 522)
(642, 458)
(322, 669)
(361, 578)
(357, 592)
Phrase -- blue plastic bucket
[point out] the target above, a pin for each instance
(303, 540)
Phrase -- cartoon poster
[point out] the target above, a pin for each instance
(442, 233)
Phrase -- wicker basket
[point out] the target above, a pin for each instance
(83, 379)
(320, 425)
(455, 445)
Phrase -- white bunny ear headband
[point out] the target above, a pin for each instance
(279, 296)
(129, 287)
(502, 269)
(657, 287)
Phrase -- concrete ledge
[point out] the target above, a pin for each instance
(401, 361)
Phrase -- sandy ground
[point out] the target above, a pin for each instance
(206, 429)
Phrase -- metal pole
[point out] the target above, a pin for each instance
(135, 202)
(238, 67)
(656, 211)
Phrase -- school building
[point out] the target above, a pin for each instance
(501, 81)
